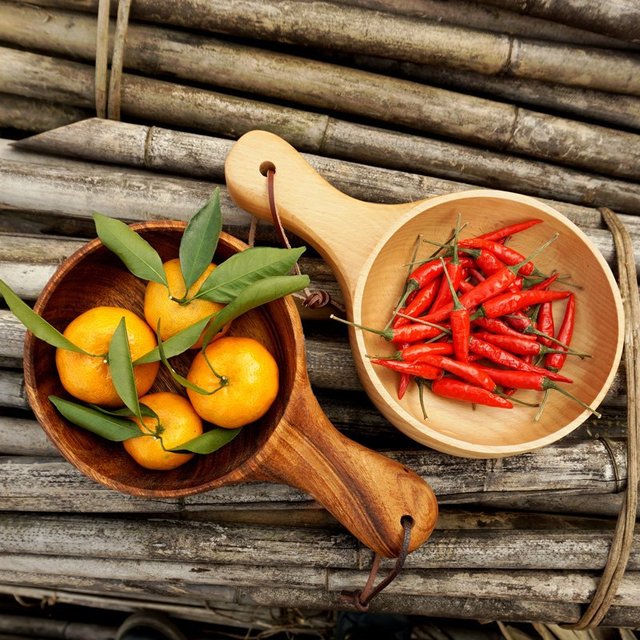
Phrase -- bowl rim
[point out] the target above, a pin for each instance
(406, 421)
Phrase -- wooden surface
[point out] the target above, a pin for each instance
(367, 247)
(521, 538)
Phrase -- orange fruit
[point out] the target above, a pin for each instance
(160, 302)
(250, 381)
(88, 378)
(180, 423)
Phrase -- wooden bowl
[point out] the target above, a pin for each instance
(293, 443)
(368, 246)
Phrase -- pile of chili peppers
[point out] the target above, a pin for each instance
(475, 323)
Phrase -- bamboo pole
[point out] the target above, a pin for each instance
(617, 18)
(203, 157)
(317, 84)
(68, 179)
(494, 19)
(342, 28)
(504, 541)
(608, 108)
(32, 115)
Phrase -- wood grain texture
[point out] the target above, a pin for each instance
(364, 490)
(367, 259)
(201, 156)
(585, 468)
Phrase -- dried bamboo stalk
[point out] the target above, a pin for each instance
(584, 468)
(203, 157)
(608, 108)
(28, 114)
(354, 30)
(547, 586)
(568, 546)
(497, 20)
(617, 18)
(325, 86)
(42, 77)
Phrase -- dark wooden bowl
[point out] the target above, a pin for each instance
(293, 443)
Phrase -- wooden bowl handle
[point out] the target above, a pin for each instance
(343, 229)
(365, 491)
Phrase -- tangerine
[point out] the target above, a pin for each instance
(179, 422)
(245, 375)
(162, 303)
(87, 377)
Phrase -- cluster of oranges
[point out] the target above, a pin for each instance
(239, 374)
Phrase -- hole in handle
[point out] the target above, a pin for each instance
(267, 166)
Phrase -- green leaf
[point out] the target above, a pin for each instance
(177, 343)
(200, 240)
(125, 412)
(121, 368)
(256, 294)
(208, 442)
(175, 375)
(136, 253)
(227, 280)
(37, 325)
(107, 426)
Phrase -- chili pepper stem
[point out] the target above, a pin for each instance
(386, 334)
(516, 400)
(543, 404)
(420, 383)
(551, 385)
(407, 291)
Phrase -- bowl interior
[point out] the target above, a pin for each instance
(93, 277)
(457, 427)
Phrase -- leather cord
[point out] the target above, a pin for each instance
(312, 298)
(362, 599)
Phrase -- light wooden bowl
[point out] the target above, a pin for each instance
(368, 246)
(293, 443)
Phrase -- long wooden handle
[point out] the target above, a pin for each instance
(364, 490)
(343, 229)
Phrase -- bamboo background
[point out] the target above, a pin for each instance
(389, 106)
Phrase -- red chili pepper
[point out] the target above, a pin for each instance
(458, 390)
(465, 286)
(421, 302)
(419, 369)
(477, 275)
(469, 372)
(414, 352)
(532, 380)
(430, 270)
(520, 345)
(506, 303)
(460, 325)
(544, 323)
(496, 325)
(506, 359)
(555, 361)
(488, 263)
(506, 254)
(509, 230)
(454, 270)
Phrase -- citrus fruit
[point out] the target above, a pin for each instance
(247, 375)
(88, 378)
(160, 302)
(179, 422)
